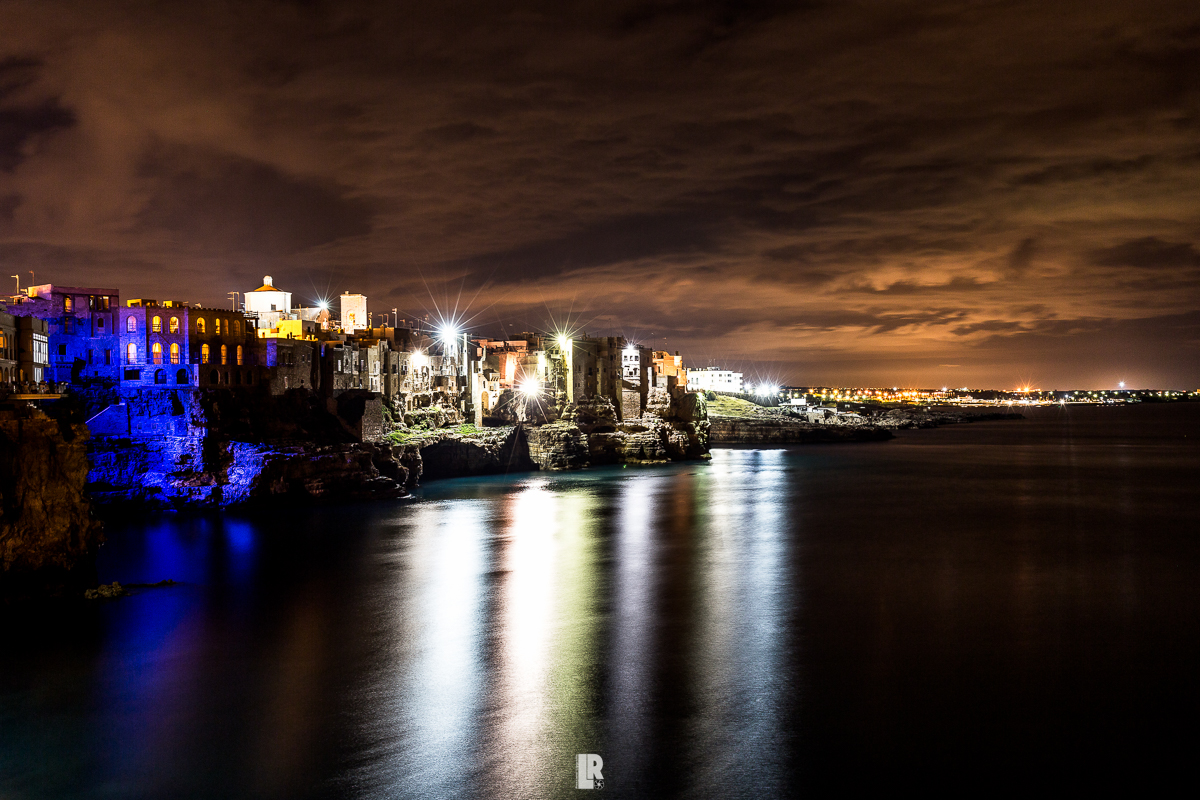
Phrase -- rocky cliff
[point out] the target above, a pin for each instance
(166, 449)
(783, 430)
(48, 538)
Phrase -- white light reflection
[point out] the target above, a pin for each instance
(439, 645)
(548, 631)
(742, 613)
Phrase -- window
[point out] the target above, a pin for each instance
(237, 329)
(160, 376)
(131, 354)
(108, 357)
(200, 325)
(91, 355)
(204, 354)
(62, 349)
(217, 327)
(224, 354)
(174, 325)
(156, 324)
(100, 323)
(69, 325)
(175, 353)
(239, 355)
(181, 377)
(68, 304)
(156, 352)
(131, 324)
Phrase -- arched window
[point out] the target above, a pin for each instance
(131, 354)
(175, 353)
(200, 325)
(224, 354)
(131, 324)
(228, 329)
(237, 328)
(204, 354)
(156, 324)
(160, 376)
(181, 377)
(217, 327)
(68, 304)
(174, 324)
(214, 377)
(239, 355)
(156, 351)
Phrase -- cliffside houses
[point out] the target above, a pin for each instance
(87, 337)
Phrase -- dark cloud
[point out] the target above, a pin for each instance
(231, 206)
(1149, 252)
(22, 122)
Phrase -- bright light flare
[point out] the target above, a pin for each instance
(530, 387)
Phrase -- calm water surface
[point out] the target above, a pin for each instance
(992, 605)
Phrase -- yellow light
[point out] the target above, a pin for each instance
(530, 387)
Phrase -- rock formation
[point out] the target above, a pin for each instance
(48, 538)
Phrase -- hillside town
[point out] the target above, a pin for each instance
(53, 337)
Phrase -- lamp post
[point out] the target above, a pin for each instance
(233, 299)
(18, 277)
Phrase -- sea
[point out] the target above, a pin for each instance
(1009, 606)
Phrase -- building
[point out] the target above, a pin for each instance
(269, 304)
(33, 350)
(8, 348)
(81, 324)
(668, 366)
(712, 379)
(354, 313)
(172, 343)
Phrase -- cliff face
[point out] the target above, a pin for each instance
(486, 452)
(784, 430)
(173, 450)
(48, 539)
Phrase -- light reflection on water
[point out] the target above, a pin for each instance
(770, 623)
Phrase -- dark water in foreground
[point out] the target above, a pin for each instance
(999, 604)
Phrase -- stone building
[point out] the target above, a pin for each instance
(666, 367)
(8, 348)
(174, 344)
(81, 326)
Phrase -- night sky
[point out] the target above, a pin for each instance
(918, 194)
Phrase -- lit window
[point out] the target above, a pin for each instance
(239, 355)
(200, 325)
(156, 350)
(217, 327)
(174, 324)
(131, 354)
(224, 354)
(68, 304)
(156, 325)
(204, 353)
(131, 324)
(175, 353)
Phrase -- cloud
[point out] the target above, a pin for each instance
(1150, 253)
(839, 189)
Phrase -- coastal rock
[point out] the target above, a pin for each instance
(48, 539)
(771, 429)
(592, 414)
(484, 452)
(558, 446)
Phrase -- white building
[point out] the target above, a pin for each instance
(354, 312)
(713, 379)
(269, 303)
